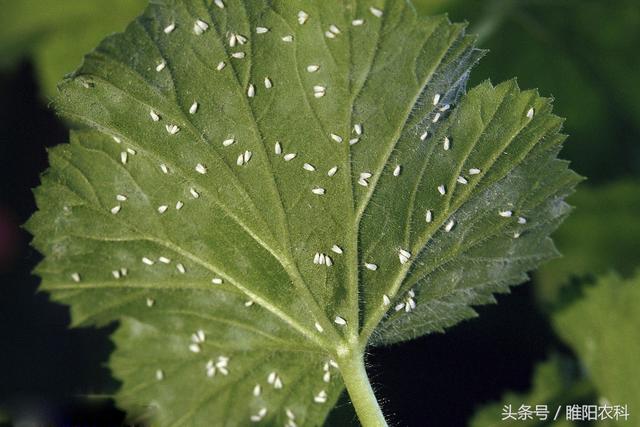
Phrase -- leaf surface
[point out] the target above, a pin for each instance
(250, 198)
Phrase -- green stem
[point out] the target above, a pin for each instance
(362, 397)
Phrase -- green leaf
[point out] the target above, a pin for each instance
(56, 35)
(602, 329)
(281, 208)
(600, 236)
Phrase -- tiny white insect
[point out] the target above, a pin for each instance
(248, 303)
(424, 136)
(232, 40)
(221, 65)
(229, 141)
(474, 171)
(336, 249)
(436, 118)
(370, 266)
(354, 141)
(530, 113)
(445, 107)
(131, 151)
(318, 190)
(404, 256)
(154, 116)
(436, 99)
(505, 214)
(289, 157)
(462, 180)
(169, 28)
(268, 83)
(116, 209)
(428, 216)
(302, 17)
(247, 156)
(328, 261)
(75, 277)
(363, 182)
(287, 39)
(159, 375)
(163, 208)
(336, 138)
(194, 193)
(150, 302)
(290, 414)
(332, 171)
(321, 397)
(161, 66)
(340, 321)
(216, 281)
(262, 30)
(446, 144)
(277, 148)
(326, 377)
(365, 175)
(201, 169)
(199, 27)
(121, 198)
(334, 29)
(449, 226)
(522, 220)
(442, 190)
(164, 168)
(257, 390)
(147, 261)
(319, 93)
(357, 22)
(117, 140)
(309, 167)
(194, 348)
(313, 68)
(123, 271)
(397, 170)
(219, 3)
(194, 108)
(329, 35)
(172, 129)
(164, 260)
(238, 55)
(251, 91)
(385, 300)
(181, 268)
(376, 12)
(319, 327)
(357, 128)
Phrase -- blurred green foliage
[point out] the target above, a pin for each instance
(601, 235)
(555, 382)
(601, 328)
(583, 52)
(56, 34)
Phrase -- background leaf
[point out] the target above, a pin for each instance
(57, 34)
(227, 205)
(600, 236)
(602, 329)
(588, 51)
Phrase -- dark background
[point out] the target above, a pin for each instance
(583, 52)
